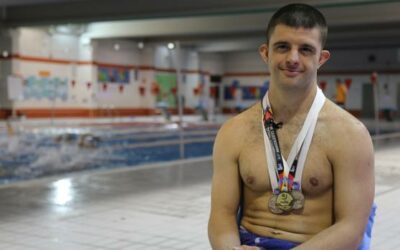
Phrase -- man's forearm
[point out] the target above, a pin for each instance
(337, 237)
(225, 241)
(223, 234)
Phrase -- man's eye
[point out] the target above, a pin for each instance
(281, 47)
(307, 50)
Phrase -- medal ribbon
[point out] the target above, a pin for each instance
(286, 178)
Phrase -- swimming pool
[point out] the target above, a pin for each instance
(49, 151)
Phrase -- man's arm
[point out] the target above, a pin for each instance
(225, 194)
(352, 159)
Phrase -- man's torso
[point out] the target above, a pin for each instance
(317, 181)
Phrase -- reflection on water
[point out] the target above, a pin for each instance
(42, 152)
(63, 192)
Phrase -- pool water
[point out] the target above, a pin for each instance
(47, 152)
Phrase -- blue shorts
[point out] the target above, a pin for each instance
(366, 241)
(269, 243)
(265, 243)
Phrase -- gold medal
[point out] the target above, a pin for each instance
(285, 201)
(272, 205)
(298, 199)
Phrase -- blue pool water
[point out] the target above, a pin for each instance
(47, 152)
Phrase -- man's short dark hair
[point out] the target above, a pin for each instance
(299, 16)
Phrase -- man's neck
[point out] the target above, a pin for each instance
(288, 104)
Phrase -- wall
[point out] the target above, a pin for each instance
(52, 57)
(90, 78)
(248, 69)
(122, 55)
(79, 68)
(5, 70)
(192, 75)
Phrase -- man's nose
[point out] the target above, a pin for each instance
(292, 57)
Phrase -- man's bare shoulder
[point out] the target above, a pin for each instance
(340, 129)
(234, 132)
(243, 122)
(339, 120)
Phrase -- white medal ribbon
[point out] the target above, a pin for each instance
(302, 142)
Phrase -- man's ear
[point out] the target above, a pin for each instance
(324, 56)
(263, 50)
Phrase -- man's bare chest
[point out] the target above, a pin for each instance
(317, 177)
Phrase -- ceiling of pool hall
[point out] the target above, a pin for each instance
(207, 25)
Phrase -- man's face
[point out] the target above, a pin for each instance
(294, 56)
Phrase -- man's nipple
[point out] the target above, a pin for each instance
(314, 181)
(250, 179)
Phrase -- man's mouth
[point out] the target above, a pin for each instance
(291, 72)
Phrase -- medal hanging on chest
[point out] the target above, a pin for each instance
(286, 182)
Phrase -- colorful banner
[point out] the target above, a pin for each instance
(248, 92)
(167, 84)
(46, 88)
(113, 75)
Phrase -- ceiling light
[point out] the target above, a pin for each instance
(140, 45)
(171, 46)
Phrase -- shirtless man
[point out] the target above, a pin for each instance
(338, 177)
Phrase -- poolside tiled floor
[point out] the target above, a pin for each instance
(162, 206)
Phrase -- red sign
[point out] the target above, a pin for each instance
(213, 91)
(174, 90)
(196, 90)
(142, 90)
(374, 77)
(322, 85)
(155, 89)
(348, 82)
